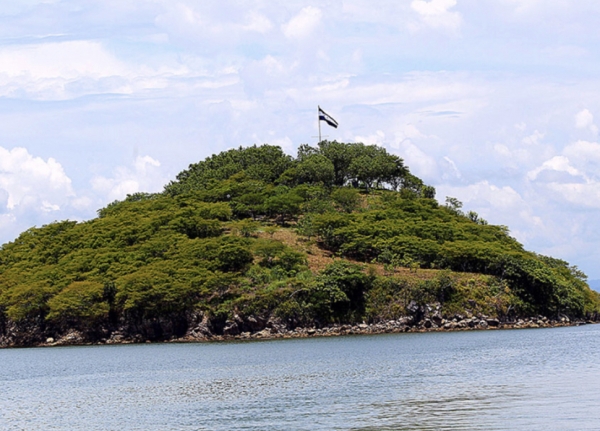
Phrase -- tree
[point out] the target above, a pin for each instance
(284, 205)
(340, 156)
(265, 163)
(372, 164)
(454, 205)
(316, 169)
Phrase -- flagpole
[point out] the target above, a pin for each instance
(319, 121)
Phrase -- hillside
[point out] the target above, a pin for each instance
(252, 238)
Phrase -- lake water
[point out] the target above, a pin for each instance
(539, 379)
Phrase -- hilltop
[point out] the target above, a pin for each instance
(252, 239)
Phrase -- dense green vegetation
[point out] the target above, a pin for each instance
(342, 233)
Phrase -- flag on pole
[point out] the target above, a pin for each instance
(323, 116)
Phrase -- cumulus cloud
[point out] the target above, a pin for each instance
(585, 120)
(555, 164)
(142, 176)
(572, 177)
(303, 24)
(32, 191)
(28, 181)
(584, 152)
(436, 13)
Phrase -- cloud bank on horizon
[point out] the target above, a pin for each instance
(494, 102)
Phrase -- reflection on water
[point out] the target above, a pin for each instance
(542, 379)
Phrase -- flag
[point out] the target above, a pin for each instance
(323, 116)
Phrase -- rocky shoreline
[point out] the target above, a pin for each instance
(274, 329)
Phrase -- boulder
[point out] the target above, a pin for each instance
(493, 322)
(231, 328)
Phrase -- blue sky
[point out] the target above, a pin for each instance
(494, 102)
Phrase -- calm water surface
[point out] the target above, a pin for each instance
(543, 379)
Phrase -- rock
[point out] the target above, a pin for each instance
(413, 307)
(231, 328)
(255, 324)
(72, 338)
(483, 324)
(49, 340)
(437, 319)
(407, 320)
(493, 322)
(427, 323)
(265, 333)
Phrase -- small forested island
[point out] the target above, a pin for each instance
(253, 243)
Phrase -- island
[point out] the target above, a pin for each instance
(254, 243)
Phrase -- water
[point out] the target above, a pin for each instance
(543, 379)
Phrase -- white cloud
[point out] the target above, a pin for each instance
(571, 178)
(436, 13)
(64, 70)
(583, 152)
(303, 24)
(32, 182)
(66, 60)
(534, 139)
(558, 164)
(143, 176)
(585, 120)
(420, 163)
(375, 139)
(33, 191)
(582, 195)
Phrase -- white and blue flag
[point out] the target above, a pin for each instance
(323, 116)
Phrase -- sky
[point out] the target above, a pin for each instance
(493, 102)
